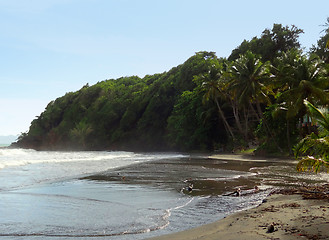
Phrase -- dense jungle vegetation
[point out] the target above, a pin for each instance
(254, 98)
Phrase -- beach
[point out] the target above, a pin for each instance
(284, 217)
(126, 195)
(290, 212)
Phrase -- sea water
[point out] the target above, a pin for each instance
(124, 195)
(26, 167)
(43, 195)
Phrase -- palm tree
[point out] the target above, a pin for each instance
(313, 150)
(301, 79)
(249, 78)
(80, 133)
(248, 87)
(213, 86)
(323, 44)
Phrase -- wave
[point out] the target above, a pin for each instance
(235, 176)
(21, 157)
(25, 167)
(15, 151)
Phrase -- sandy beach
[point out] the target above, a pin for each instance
(44, 197)
(281, 217)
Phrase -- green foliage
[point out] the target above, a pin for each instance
(322, 48)
(249, 77)
(320, 117)
(213, 87)
(80, 133)
(313, 150)
(283, 131)
(191, 124)
(271, 43)
(255, 96)
(313, 153)
(125, 113)
(301, 78)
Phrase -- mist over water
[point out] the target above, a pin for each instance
(24, 167)
(126, 195)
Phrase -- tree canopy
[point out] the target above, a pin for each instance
(255, 97)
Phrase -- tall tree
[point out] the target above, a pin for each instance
(249, 81)
(211, 82)
(304, 79)
(299, 78)
(248, 87)
(322, 48)
(271, 43)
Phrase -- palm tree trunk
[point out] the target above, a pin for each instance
(254, 112)
(288, 138)
(259, 109)
(226, 125)
(236, 117)
(301, 128)
(309, 130)
(269, 132)
(246, 127)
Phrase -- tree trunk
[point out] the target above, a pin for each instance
(226, 125)
(236, 117)
(309, 130)
(254, 111)
(269, 132)
(246, 127)
(259, 109)
(288, 137)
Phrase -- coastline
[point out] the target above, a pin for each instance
(291, 216)
(246, 224)
(249, 158)
(157, 186)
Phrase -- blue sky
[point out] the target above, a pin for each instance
(50, 47)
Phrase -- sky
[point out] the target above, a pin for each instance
(51, 47)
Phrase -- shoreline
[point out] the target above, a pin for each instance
(211, 178)
(253, 223)
(249, 157)
(281, 216)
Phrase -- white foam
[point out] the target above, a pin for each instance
(20, 157)
(23, 167)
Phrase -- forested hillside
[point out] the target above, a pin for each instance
(252, 98)
(124, 113)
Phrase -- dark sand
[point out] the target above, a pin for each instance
(282, 216)
(206, 175)
(291, 217)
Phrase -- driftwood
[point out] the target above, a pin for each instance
(308, 192)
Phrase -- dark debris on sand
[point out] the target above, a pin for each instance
(308, 192)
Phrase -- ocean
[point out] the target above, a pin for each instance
(126, 195)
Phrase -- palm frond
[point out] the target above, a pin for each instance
(312, 164)
(318, 115)
(314, 146)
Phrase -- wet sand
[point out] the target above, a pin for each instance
(209, 176)
(291, 216)
(281, 216)
(284, 217)
(141, 200)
